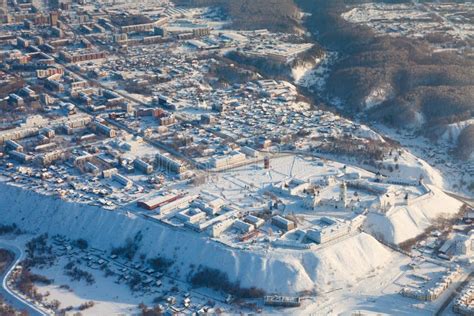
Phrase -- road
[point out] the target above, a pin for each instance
(12, 298)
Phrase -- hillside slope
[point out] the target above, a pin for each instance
(275, 271)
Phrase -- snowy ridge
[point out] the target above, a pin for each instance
(275, 271)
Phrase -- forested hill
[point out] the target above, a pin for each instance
(275, 15)
(428, 89)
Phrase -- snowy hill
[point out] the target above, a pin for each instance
(278, 270)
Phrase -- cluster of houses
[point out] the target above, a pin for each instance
(430, 291)
(150, 279)
(464, 303)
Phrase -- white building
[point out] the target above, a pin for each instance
(254, 220)
(431, 293)
(210, 207)
(127, 183)
(250, 152)
(143, 166)
(191, 215)
(385, 202)
(105, 130)
(108, 173)
(243, 226)
(291, 187)
(169, 164)
(340, 202)
(176, 204)
(335, 229)
(217, 229)
(283, 223)
(464, 304)
(226, 161)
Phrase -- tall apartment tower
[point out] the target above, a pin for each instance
(53, 18)
(3, 7)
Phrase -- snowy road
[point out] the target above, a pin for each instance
(12, 298)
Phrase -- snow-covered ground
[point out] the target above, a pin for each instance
(340, 291)
(109, 297)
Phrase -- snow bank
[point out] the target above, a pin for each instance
(278, 271)
(406, 222)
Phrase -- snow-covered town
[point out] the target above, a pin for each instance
(145, 171)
